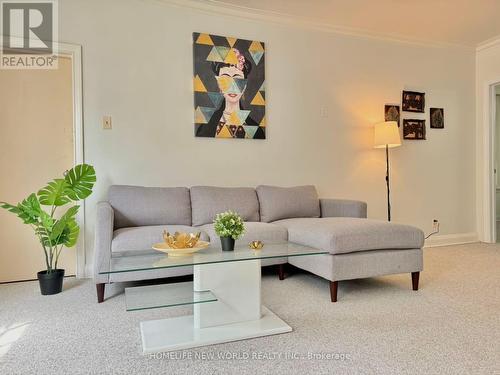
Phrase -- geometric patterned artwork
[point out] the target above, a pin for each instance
(229, 90)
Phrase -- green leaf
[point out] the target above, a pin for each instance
(44, 228)
(46, 221)
(73, 230)
(62, 223)
(44, 237)
(29, 210)
(10, 208)
(69, 235)
(81, 180)
(55, 193)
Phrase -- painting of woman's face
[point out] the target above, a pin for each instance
(229, 90)
(231, 74)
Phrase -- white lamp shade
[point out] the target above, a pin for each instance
(387, 134)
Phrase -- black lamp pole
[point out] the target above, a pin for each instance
(387, 180)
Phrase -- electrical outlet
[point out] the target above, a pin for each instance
(435, 225)
(106, 122)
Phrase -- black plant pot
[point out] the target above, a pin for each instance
(50, 283)
(227, 243)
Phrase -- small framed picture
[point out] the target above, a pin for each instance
(392, 113)
(413, 101)
(437, 118)
(413, 129)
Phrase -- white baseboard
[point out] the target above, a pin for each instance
(451, 239)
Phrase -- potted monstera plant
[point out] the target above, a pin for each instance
(55, 230)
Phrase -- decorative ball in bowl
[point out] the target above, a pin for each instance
(181, 244)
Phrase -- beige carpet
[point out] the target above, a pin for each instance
(450, 326)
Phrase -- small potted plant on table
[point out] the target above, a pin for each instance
(229, 227)
(55, 231)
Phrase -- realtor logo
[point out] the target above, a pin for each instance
(29, 34)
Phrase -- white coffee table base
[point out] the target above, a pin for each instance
(180, 333)
(237, 314)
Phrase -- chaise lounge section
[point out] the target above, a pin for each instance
(134, 218)
(358, 247)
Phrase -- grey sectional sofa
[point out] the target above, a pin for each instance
(134, 218)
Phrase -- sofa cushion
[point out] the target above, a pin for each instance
(287, 202)
(340, 235)
(342, 208)
(138, 240)
(208, 201)
(265, 232)
(138, 205)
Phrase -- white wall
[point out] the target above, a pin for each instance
(137, 66)
(487, 73)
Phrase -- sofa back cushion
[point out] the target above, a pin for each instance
(137, 205)
(208, 201)
(287, 202)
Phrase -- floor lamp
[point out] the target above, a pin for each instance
(387, 136)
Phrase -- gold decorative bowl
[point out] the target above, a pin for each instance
(181, 240)
(256, 245)
(181, 244)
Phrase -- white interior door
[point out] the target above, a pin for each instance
(37, 145)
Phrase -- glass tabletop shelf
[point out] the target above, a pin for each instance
(165, 295)
(209, 255)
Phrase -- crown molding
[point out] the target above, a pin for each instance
(489, 43)
(222, 8)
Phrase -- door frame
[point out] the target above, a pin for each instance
(488, 157)
(74, 52)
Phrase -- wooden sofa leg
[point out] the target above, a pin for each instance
(414, 280)
(100, 292)
(334, 285)
(281, 271)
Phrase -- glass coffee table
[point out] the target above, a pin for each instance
(225, 294)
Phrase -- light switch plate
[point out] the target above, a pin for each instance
(106, 122)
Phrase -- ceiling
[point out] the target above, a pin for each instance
(465, 22)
